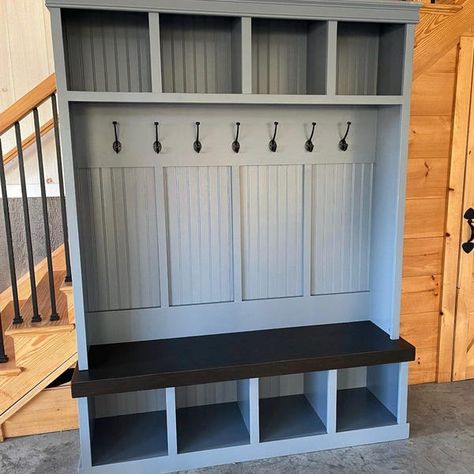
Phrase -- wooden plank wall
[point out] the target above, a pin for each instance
(427, 187)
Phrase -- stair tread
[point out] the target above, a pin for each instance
(123, 367)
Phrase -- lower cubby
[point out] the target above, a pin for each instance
(128, 426)
(367, 397)
(292, 406)
(214, 415)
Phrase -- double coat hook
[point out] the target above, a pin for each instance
(157, 143)
(235, 143)
(343, 145)
(116, 145)
(273, 144)
(309, 146)
(197, 144)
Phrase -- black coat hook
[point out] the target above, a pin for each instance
(273, 144)
(343, 145)
(157, 144)
(116, 145)
(197, 144)
(235, 143)
(309, 146)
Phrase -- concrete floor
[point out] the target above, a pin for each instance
(442, 441)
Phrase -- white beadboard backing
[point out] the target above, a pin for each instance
(340, 240)
(200, 54)
(129, 403)
(207, 394)
(281, 386)
(118, 223)
(199, 218)
(288, 56)
(272, 231)
(107, 51)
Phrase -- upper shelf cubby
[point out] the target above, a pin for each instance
(289, 56)
(107, 51)
(370, 58)
(200, 54)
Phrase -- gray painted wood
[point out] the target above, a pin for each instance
(272, 231)
(200, 54)
(342, 201)
(288, 57)
(209, 394)
(199, 234)
(117, 214)
(107, 51)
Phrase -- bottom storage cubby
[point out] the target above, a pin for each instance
(128, 426)
(367, 397)
(291, 406)
(214, 415)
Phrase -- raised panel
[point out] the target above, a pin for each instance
(340, 236)
(118, 231)
(272, 231)
(198, 204)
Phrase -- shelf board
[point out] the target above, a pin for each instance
(358, 408)
(130, 366)
(210, 426)
(129, 437)
(249, 99)
(288, 417)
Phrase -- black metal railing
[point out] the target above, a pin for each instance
(18, 153)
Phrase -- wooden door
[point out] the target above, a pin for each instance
(463, 361)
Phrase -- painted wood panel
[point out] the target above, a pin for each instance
(118, 230)
(107, 51)
(341, 206)
(129, 403)
(199, 216)
(200, 54)
(207, 394)
(272, 231)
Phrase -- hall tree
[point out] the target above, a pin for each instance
(235, 302)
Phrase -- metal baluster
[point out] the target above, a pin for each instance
(3, 355)
(26, 215)
(61, 188)
(17, 319)
(44, 203)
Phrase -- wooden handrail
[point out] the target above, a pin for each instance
(25, 104)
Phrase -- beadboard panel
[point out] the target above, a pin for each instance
(272, 231)
(118, 231)
(200, 54)
(199, 218)
(340, 237)
(207, 394)
(129, 403)
(281, 386)
(107, 51)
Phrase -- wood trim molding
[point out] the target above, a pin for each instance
(455, 202)
(30, 100)
(441, 8)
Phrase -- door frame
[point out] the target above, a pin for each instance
(453, 321)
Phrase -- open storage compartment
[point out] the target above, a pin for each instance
(213, 415)
(107, 51)
(292, 406)
(128, 426)
(201, 54)
(367, 397)
(370, 58)
(289, 56)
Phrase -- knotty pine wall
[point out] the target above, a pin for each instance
(26, 59)
(427, 186)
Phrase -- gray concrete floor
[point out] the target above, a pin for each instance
(442, 441)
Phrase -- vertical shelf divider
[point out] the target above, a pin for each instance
(254, 411)
(246, 55)
(331, 401)
(331, 63)
(155, 52)
(171, 426)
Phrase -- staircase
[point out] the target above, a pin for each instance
(37, 331)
